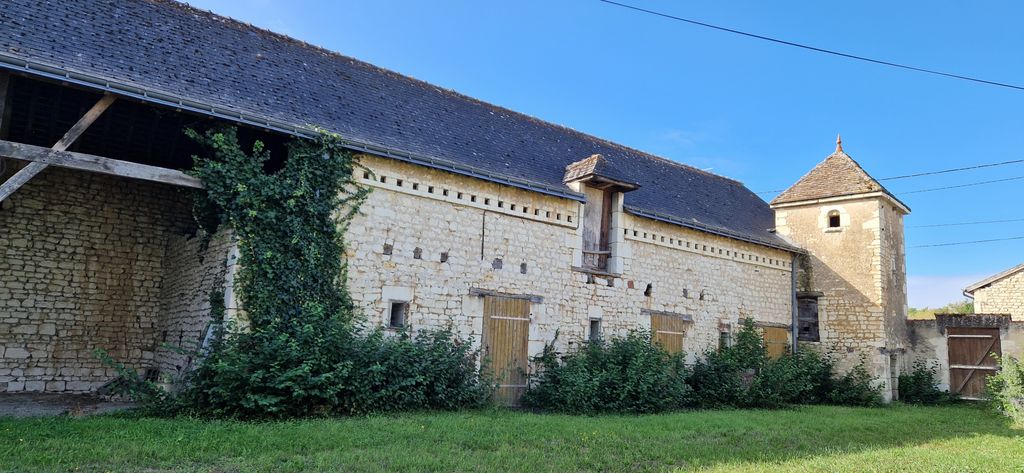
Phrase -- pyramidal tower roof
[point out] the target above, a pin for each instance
(837, 176)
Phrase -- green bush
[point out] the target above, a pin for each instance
(920, 385)
(855, 388)
(1006, 388)
(622, 374)
(804, 377)
(723, 378)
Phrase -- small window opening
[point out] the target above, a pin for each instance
(415, 186)
(595, 330)
(649, 290)
(398, 183)
(724, 340)
(383, 179)
(833, 219)
(397, 314)
(807, 319)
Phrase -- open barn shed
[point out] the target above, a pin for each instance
(98, 246)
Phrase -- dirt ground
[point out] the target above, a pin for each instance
(51, 404)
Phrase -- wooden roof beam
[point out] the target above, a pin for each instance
(28, 172)
(38, 155)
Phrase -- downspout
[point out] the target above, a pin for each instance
(792, 299)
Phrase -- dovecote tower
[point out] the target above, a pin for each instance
(851, 289)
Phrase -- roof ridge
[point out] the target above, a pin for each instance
(283, 37)
(995, 277)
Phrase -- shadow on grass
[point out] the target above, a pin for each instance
(816, 438)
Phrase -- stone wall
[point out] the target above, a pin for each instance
(926, 339)
(859, 270)
(83, 260)
(1005, 296)
(431, 238)
(193, 276)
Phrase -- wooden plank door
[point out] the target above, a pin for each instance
(505, 342)
(669, 331)
(776, 341)
(972, 359)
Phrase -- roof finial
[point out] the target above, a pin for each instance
(839, 143)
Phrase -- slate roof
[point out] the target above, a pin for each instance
(991, 279)
(837, 176)
(164, 47)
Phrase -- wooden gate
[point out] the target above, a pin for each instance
(972, 359)
(505, 342)
(776, 341)
(669, 331)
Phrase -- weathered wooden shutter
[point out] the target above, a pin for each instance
(669, 331)
(505, 342)
(807, 319)
(776, 341)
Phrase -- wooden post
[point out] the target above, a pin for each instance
(35, 167)
(5, 81)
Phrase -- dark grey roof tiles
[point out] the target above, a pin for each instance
(172, 48)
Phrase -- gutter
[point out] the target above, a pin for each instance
(21, 66)
(792, 301)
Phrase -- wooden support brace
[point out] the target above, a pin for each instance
(38, 155)
(28, 172)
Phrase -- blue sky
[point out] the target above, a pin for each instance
(751, 110)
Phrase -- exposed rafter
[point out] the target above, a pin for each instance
(28, 172)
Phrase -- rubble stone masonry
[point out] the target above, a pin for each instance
(92, 261)
(1004, 296)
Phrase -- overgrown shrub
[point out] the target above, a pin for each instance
(621, 374)
(722, 378)
(920, 385)
(1006, 388)
(855, 388)
(804, 377)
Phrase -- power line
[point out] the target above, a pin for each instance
(968, 242)
(931, 173)
(933, 189)
(814, 48)
(944, 171)
(958, 224)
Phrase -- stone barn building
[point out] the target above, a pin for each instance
(1002, 293)
(505, 226)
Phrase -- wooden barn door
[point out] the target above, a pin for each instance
(776, 341)
(505, 340)
(972, 359)
(669, 331)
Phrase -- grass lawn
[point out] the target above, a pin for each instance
(899, 438)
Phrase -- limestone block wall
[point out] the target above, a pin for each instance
(83, 259)
(192, 277)
(1005, 296)
(432, 238)
(927, 342)
(859, 269)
